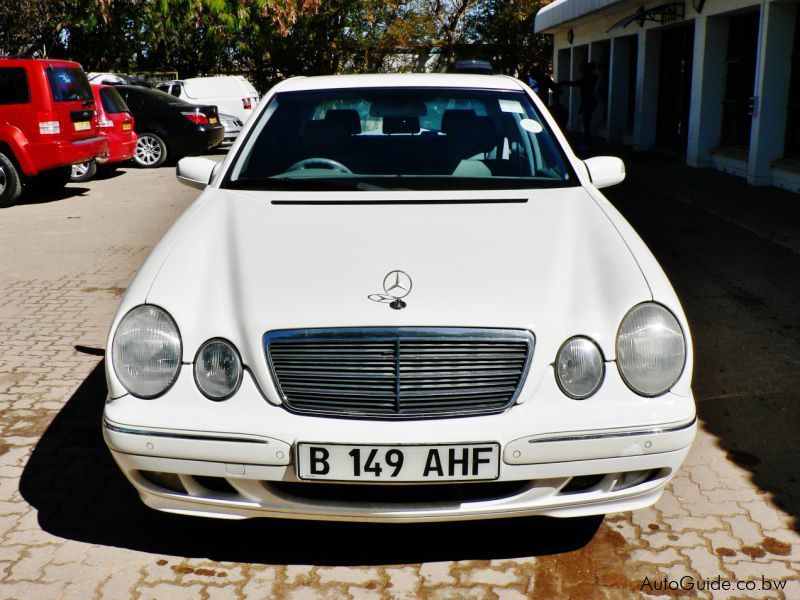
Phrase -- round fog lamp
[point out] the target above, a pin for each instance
(579, 368)
(217, 369)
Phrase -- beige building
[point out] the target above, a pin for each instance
(715, 81)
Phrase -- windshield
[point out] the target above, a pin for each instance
(400, 138)
(68, 84)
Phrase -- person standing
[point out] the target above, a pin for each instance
(539, 81)
(586, 83)
(549, 92)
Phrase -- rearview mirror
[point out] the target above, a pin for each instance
(605, 171)
(195, 171)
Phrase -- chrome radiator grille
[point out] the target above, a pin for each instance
(398, 372)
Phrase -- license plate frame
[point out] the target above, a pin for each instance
(422, 468)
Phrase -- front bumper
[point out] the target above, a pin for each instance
(251, 474)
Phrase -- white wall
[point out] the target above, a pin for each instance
(776, 35)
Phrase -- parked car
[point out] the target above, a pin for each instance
(231, 94)
(117, 79)
(233, 127)
(46, 124)
(115, 123)
(169, 127)
(402, 298)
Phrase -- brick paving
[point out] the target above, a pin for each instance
(71, 526)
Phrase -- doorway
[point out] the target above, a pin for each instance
(675, 87)
(740, 78)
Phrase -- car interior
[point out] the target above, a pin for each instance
(385, 136)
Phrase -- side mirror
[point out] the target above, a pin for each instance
(195, 171)
(605, 171)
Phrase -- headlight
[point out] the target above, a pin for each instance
(146, 351)
(651, 349)
(579, 368)
(217, 369)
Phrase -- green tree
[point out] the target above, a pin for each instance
(502, 30)
(273, 39)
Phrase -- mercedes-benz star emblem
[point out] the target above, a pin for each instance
(396, 286)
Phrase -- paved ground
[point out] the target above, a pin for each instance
(71, 527)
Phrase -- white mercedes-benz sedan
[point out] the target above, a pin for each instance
(400, 298)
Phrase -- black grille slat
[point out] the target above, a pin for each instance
(314, 391)
(398, 372)
(350, 377)
(445, 394)
(434, 376)
(455, 356)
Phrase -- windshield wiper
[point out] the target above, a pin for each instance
(369, 187)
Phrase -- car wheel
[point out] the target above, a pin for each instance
(52, 180)
(151, 151)
(83, 171)
(10, 184)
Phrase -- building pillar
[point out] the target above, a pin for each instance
(644, 123)
(619, 85)
(708, 88)
(773, 71)
(557, 66)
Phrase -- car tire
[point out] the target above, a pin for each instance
(10, 182)
(52, 180)
(151, 151)
(83, 171)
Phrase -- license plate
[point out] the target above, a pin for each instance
(126, 127)
(446, 462)
(82, 125)
(212, 120)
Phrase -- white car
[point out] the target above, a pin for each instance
(400, 298)
(231, 94)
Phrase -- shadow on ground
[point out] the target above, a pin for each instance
(739, 292)
(80, 494)
(35, 196)
(109, 173)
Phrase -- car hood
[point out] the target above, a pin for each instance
(548, 261)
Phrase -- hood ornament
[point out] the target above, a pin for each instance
(396, 286)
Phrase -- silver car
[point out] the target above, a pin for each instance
(233, 127)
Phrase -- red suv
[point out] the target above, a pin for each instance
(47, 124)
(115, 123)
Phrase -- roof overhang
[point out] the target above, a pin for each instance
(558, 13)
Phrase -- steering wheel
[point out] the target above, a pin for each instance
(324, 163)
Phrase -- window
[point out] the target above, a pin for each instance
(112, 102)
(133, 100)
(428, 138)
(13, 86)
(792, 145)
(68, 85)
